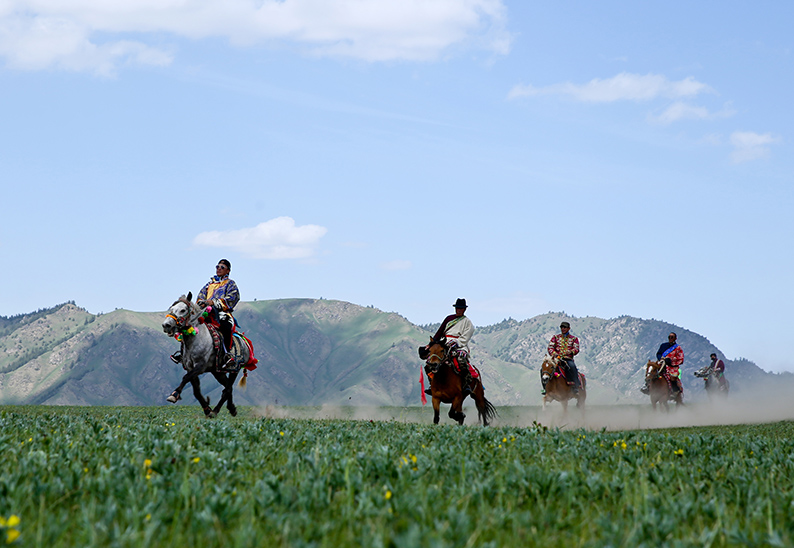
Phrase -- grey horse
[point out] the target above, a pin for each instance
(198, 355)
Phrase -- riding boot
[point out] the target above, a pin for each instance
(429, 390)
(176, 357)
(645, 389)
(466, 379)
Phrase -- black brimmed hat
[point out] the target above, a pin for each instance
(460, 303)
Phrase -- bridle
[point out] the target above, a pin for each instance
(656, 370)
(182, 323)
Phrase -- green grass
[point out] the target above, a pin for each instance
(163, 476)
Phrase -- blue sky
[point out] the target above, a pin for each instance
(601, 159)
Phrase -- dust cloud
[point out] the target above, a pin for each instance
(765, 406)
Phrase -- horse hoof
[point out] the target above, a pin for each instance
(211, 415)
(233, 411)
(174, 397)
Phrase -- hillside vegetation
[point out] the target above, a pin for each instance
(324, 352)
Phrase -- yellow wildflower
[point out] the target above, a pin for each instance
(147, 463)
(388, 495)
(13, 521)
(12, 535)
(196, 459)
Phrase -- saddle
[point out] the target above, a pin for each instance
(241, 352)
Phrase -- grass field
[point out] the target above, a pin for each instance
(165, 476)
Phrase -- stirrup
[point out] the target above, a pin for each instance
(645, 390)
(176, 357)
(543, 392)
(429, 392)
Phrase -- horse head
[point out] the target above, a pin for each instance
(653, 370)
(436, 354)
(704, 372)
(179, 315)
(547, 368)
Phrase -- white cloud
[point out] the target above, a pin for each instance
(684, 111)
(623, 87)
(748, 145)
(396, 265)
(277, 238)
(94, 35)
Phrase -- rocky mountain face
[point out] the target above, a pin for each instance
(321, 352)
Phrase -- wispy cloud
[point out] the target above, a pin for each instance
(681, 110)
(748, 145)
(93, 35)
(277, 238)
(396, 265)
(623, 87)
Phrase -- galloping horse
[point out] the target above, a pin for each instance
(552, 374)
(199, 354)
(447, 386)
(659, 385)
(712, 385)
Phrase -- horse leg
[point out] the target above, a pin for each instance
(204, 403)
(223, 381)
(436, 409)
(177, 393)
(479, 401)
(228, 387)
(455, 411)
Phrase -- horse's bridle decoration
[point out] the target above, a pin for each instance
(181, 323)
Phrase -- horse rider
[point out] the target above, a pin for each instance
(718, 367)
(222, 295)
(673, 356)
(564, 347)
(457, 329)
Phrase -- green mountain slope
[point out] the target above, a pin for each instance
(321, 352)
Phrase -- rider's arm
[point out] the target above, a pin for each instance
(467, 330)
(574, 347)
(231, 296)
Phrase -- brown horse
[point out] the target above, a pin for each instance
(659, 385)
(446, 386)
(552, 375)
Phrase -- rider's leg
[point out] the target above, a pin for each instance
(543, 383)
(572, 375)
(466, 378)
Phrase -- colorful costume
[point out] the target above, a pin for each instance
(221, 292)
(674, 357)
(565, 347)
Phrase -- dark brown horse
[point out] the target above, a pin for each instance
(659, 385)
(552, 375)
(446, 386)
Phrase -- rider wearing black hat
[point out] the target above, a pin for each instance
(457, 329)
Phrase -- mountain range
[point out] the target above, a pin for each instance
(326, 352)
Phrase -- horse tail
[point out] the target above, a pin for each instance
(488, 412)
(244, 381)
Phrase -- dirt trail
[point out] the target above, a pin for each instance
(747, 410)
